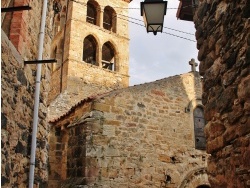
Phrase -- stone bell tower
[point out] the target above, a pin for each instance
(91, 45)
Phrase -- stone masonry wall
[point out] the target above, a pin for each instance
(140, 136)
(17, 103)
(61, 138)
(223, 40)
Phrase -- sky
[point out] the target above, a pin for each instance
(153, 57)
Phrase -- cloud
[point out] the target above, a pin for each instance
(156, 57)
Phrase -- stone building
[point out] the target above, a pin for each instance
(99, 49)
(150, 135)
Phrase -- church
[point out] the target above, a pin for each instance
(96, 130)
(148, 135)
(106, 134)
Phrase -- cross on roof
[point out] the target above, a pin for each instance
(193, 65)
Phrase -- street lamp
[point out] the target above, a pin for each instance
(153, 12)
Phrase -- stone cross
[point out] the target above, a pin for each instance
(193, 65)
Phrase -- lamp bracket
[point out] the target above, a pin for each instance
(40, 61)
(17, 8)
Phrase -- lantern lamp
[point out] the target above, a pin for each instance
(153, 12)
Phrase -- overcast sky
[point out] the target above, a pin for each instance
(156, 57)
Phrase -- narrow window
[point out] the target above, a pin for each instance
(109, 19)
(108, 56)
(199, 124)
(91, 13)
(89, 50)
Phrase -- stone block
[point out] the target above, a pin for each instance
(109, 130)
(203, 51)
(158, 92)
(215, 129)
(112, 122)
(244, 89)
(101, 107)
(104, 172)
(243, 129)
(165, 158)
(111, 151)
(215, 145)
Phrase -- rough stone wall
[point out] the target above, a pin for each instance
(57, 164)
(61, 138)
(140, 136)
(17, 97)
(223, 40)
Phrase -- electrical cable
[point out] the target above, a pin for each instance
(162, 32)
(82, 3)
(167, 8)
(163, 27)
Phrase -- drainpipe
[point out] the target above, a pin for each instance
(37, 93)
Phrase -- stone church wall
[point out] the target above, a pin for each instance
(17, 100)
(140, 136)
(223, 40)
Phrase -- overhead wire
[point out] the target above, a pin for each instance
(163, 27)
(162, 32)
(167, 8)
(85, 4)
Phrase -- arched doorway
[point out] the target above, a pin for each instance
(196, 178)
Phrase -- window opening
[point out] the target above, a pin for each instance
(91, 13)
(109, 19)
(199, 124)
(89, 50)
(108, 56)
